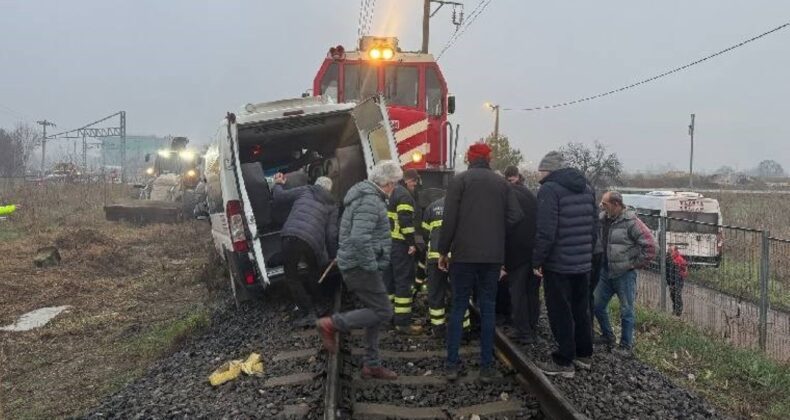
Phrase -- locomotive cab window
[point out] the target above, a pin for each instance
(361, 82)
(329, 82)
(434, 103)
(402, 85)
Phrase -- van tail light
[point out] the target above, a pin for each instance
(236, 226)
(249, 277)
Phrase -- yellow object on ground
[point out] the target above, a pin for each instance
(232, 369)
(6, 210)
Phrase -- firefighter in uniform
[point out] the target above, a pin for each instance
(399, 278)
(438, 282)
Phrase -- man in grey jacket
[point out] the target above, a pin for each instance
(627, 244)
(363, 255)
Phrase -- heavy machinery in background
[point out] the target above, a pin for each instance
(168, 195)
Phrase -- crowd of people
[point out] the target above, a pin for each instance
(488, 231)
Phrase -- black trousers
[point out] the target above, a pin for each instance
(567, 304)
(524, 300)
(438, 294)
(399, 279)
(675, 283)
(303, 289)
(594, 277)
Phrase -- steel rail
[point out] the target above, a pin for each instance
(334, 365)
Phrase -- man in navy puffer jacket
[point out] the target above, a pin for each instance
(566, 230)
(309, 235)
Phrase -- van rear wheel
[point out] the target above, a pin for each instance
(237, 289)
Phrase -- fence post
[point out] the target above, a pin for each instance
(662, 260)
(764, 277)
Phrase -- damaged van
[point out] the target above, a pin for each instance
(304, 138)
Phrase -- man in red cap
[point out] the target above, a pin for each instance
(479, 207)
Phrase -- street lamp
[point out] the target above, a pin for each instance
(494, 108)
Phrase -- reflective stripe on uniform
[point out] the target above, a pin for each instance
(402, 300)
(392, 297)
(421, 264)
(404, 207)
(407, 230)
(436, 312)
(467, 322)
(402, 309)
(426, 226)
(433, 255)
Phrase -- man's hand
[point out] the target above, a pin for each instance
(279, 178)
(538, 271)
(444, 263)
(412, 249)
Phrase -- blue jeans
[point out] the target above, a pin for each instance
(624, 287)
(463, 278)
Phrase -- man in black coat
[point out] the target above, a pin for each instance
(309, 235)
(524, 285)
(478, 208)
(567, 220)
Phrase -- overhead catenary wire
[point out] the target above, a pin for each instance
(650, 79)
(476, 12)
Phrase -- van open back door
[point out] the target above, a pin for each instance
(375, 132)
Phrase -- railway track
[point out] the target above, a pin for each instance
(423, 392)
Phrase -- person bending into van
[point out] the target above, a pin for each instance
(627, 245)
(677, 272)
(363, 256)
(309, 235)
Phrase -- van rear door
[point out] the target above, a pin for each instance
(375, 132)
(236, 183)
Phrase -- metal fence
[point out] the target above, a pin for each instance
(738, 282)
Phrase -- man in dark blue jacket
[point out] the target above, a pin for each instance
(566, 229)
(309, 235)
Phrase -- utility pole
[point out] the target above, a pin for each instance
(691, 154)
(426, 25)
(123, 146)
(495, 108)
(44, 124)
(427, 15)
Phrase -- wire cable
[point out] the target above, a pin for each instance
(653, 78)
(481, 7)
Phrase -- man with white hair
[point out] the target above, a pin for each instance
(363, 256)
(309, 235)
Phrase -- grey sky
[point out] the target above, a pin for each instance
(177, 66)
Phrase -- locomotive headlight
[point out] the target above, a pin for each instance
(163, 153)
(187, 155)
(149, 171)
(375, 53)
(416, 157)
(191, 173)
(387, 53)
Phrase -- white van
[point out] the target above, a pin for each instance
(701, 244)
(304, 138)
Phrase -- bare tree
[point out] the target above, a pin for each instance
(769, 169)
(27, 138)
(601, 168)
(10, 156)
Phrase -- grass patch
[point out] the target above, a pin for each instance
(166, 337)
(8, 232)
(743, 382)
